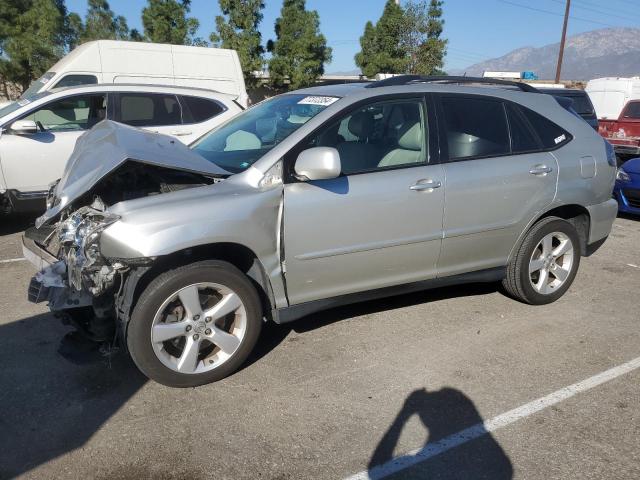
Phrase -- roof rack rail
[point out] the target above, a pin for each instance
(407, 79)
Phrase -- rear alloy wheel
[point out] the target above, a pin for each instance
(545, 264)
(195, 324)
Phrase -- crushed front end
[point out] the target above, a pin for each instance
(74, 278)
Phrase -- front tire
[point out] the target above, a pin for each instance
(195, 324)
(545, 264)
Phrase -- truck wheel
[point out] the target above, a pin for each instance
(195, 324)
(545, 264)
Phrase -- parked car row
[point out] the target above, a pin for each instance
(312, 199)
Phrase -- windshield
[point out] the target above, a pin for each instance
(36, 85)
(13, 106)
(244, 139)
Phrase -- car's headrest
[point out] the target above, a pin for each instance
(361, 125)
(411, 137)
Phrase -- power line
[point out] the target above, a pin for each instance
(601, 12)
(555, 13)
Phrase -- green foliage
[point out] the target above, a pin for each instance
(382, 48)
(166, 21)
(300, 50)
(237, 29)
(422, 40)
(100, 23)
(404, 40)
(32, 38)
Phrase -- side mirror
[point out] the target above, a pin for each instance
(318, 163)
(24, 127)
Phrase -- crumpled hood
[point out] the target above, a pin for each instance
(108, 145)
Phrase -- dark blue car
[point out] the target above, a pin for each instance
(627, 189)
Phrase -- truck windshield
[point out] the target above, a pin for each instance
(239, 143)
(36, 85)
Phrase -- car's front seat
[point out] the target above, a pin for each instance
(410, 147)
(359, 155)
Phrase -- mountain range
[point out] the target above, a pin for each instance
(608, 52)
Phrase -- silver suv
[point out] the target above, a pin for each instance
(312, 199)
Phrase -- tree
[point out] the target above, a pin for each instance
(101, 23)
(237, 29)
(382, 50)
(299, 51)
(32, 38)
(421, 37)
(165, 21)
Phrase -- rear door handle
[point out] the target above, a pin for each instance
(180, 134)
(540, 170)
(425, 185)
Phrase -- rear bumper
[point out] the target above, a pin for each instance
(27, 202)
(602, 216)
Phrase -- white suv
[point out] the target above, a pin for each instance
(37, 135)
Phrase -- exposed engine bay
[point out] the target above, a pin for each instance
(82, 276)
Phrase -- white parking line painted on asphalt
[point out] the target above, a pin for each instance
(632, 265)
(11, 260)
(480, 429)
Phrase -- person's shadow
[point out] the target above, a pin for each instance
(446, 455)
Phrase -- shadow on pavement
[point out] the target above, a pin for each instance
(49, 407)
(443, 413)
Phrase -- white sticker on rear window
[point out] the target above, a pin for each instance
(560, 139)
(321, 101)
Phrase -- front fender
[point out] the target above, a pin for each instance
(247, 216)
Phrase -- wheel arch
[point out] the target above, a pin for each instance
(238, 255)
(576, 214)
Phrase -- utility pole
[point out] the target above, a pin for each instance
(562, 40)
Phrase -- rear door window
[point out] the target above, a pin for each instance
(148, 109)
(475, 127)
(522, 137)
(197, 110)
(551, 135)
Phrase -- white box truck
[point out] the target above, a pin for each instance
(113, 61)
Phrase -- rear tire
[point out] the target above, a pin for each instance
(195, 324)
(546, 263)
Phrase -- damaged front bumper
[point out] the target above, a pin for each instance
(49, 283)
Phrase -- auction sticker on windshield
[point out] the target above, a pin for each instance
(322, 101)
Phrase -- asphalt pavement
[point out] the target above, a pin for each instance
(348, 392)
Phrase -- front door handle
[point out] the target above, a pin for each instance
(541, 170)
(425, 185)
(180, 134)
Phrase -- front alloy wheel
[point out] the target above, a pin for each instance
(195, 324)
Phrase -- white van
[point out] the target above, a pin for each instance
(113, 61)
(610, 95)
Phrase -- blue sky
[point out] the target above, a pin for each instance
(476, 29)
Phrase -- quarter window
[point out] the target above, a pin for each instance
(149, 110)
(475, 127)
(69, 114)
(197, 110)
(550, 134)
(377, 136)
